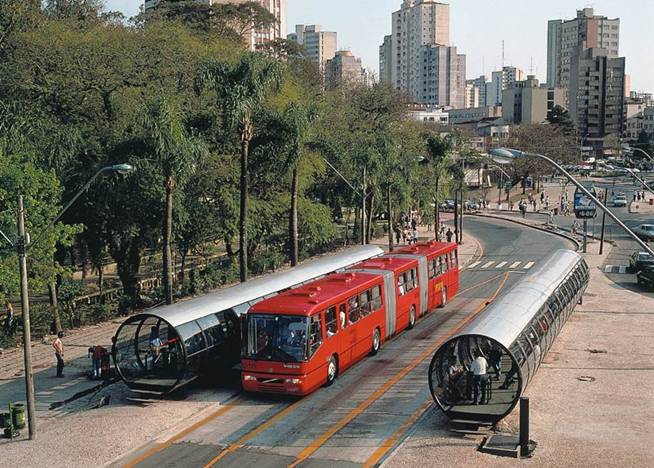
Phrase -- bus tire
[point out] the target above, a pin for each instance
(332, 370)
(443, 298)
(376, 342)
(412, 317)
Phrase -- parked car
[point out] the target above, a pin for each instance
(471, 205)
(646, 277)
(645, 232)
(620, 199)
(639, 261)
(447, 205)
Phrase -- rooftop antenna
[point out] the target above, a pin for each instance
(531, 66)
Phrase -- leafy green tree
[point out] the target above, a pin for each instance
(438, 155)
(175, 154)
(560, 117)
(241, 89)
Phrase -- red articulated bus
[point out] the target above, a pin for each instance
(304, 338)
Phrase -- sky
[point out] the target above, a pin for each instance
(477, 28)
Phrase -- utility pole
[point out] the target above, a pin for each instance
(21, 249)
(601, 250)
(390, 218)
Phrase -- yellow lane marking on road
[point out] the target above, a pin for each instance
(324, 437)
(241, 442)
(158, 448)
(392, 440)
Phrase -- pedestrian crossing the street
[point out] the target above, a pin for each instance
(615, 269)
(488, 265)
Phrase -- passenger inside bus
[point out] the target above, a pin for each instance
(342, 315)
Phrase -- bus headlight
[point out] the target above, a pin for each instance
(249, 378)
(294, 381)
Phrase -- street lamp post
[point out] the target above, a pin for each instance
(644, 184)
(633, 148)
(22, 247)
(507, 156)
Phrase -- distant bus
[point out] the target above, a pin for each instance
(304, 338)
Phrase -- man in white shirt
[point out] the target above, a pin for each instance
(478, 368)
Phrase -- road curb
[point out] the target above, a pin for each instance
(538, 228)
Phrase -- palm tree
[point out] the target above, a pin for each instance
(175, 153)
(241, 89)
(297, 119)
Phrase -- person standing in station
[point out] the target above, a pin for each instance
(449, 235)
(479, 369)
(59, 353)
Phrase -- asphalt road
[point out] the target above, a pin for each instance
(362, 418)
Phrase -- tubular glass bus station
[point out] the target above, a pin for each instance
(162, 349)
(513, 335)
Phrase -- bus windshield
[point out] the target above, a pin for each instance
(277, 338)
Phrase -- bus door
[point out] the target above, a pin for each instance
(423, 275)
(344, 341)
(335, 334)
(407, 281)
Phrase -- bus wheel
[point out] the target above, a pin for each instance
(332, 371)
(376, 342)
(412, 317)
(443, 298)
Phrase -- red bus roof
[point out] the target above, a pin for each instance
(428, 248)
(317, 295)
(388, 263)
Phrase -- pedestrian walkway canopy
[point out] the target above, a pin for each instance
(513, 335)
(164, 348)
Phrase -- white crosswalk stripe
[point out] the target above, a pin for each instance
(473, 265)
(615, 269)
(501, 265)
(528, 265)
(488, 264)
(515, 265)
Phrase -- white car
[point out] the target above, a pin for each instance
(620, 200)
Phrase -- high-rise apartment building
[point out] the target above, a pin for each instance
(344, 70)
(417, 58)
(320, 45)
(255, 37)
(471, 96)
(596, 100)
(502, 79)
(385, 60)
(478, 88)
(587, 30)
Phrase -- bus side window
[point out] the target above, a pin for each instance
(342, 316)
(353, 304)
(441, 265)
(431, 267)
(376, 302)
(364, 304)
(401, 284)
(331, 324)
(315, 336)
(414, 275)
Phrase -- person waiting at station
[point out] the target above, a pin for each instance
(454, 372)
(480, 379)
(508, 380)
(449, 235)
(495, 357)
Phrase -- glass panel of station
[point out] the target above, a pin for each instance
(465, 396)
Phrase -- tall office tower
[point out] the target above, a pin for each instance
(587, 30)
(320, 45)
(253, 38)
(479, 84)
(596, 100)
(472, 96)
(502, 79)
(419, 48)
(344, 70)
(385, 60)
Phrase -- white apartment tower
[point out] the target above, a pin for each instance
(253, 38)
(421, 61)
(320, 45)
(502, 79)
(587, 31)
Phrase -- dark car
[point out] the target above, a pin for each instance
(646, 277)
(447, 205)
(639, 261)
(645, 232)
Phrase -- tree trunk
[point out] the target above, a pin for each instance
(167, 235)
(242, 235)
(390, 218)
(52, 292)
(182, 267)
(100, 278)
(84, 257)
(228, 245)
(371, 213)
(456, 215)
(292, 225)
(363, 209)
